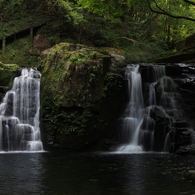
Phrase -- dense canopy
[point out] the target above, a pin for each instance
(102, 22)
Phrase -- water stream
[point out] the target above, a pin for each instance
(134, 111)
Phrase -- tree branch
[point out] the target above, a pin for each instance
(161, 11)
(190, 2)
(132, 40)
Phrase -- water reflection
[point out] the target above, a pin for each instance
(20, 173)
(95, 174)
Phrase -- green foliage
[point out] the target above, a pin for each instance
(112, 83)
(18, 53)
(174, 19)
(111, 11)
(136, 21)
(77, 59)
(10, 67)
(121, 24)
(66, 124)
(15, 9)
(69, 10)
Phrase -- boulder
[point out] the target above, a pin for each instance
(82, 94)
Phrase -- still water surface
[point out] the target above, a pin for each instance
(95, 174)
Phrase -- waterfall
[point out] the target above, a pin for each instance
(157, 73)
(19, 114)
(134, 111)
(141, 130)
(147, 139)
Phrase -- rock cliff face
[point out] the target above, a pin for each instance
(81, 95)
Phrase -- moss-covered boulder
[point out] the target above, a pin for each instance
(74, 74)
(80, 89)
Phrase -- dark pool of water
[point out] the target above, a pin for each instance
(95, 174)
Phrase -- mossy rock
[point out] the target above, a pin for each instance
(75, 80)
(9, 67)
(74, 76)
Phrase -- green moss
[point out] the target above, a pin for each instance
(61, 65)
(18, 53)
(9, 67)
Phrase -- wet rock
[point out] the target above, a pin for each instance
(186, 149)
(162, 123)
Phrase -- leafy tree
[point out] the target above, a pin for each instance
(110, 9)
(105, 22)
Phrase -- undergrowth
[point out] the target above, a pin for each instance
(17, 52)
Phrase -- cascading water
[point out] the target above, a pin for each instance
(149, 124)
(133, 113)
(19, 114)
(140, 130)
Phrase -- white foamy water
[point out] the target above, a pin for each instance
(19, 114)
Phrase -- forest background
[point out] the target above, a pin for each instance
(145, 29)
